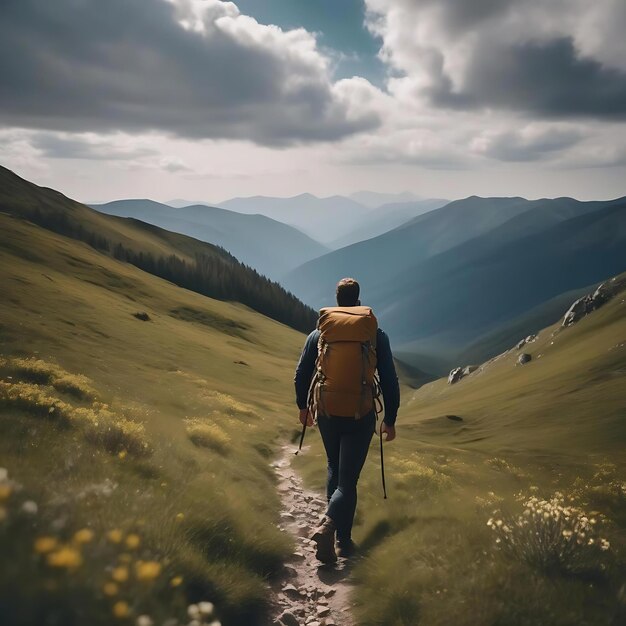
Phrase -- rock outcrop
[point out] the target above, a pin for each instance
(592, 301)
(457, 373)
(520, 344)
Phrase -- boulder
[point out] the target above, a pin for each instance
(524, 358)
(589, 303)
(460, 372)
(520, 344)
(455, 375)
(288, 619)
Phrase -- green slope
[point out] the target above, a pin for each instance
(116, 453)
(554, 428)
(185, 261)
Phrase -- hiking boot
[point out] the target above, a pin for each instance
(346, 548)
(324, 538)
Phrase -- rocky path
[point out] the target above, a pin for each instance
(309, 593)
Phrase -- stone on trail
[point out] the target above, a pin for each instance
(290, 590)
(323, 611)
(288, 619)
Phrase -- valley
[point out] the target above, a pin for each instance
(143, 424)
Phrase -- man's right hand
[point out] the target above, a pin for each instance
(306, 417)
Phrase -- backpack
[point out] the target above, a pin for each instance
(344, 383)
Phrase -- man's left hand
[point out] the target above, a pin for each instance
(390, 431)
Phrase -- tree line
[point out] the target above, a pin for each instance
(218, 275)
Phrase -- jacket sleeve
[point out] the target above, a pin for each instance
(388, 378)
(305, 368)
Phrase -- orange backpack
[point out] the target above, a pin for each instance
(344, 383)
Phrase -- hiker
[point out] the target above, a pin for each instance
(337, 387)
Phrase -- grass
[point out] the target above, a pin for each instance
(164, 437)
(114, 455)
(547, 437)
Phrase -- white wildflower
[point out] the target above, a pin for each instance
(30, 507)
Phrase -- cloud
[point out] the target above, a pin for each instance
(557, 59)
(544, 78)
(188, 68)
(173, 165)
(63, 146)
(532, 143)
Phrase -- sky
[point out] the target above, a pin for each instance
(208, 100)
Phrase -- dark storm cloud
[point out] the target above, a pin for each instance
(54, 146)
(548, 79)
(77, 65)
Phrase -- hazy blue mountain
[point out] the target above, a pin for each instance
(270, 247)
(385, 218)
(323, 219)
(377, 259)
(374, 199)
(490, 283)
(452, 275)
(179, 203)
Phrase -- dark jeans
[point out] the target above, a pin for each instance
(346, 442)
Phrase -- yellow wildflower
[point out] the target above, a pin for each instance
(147, 570)
(65, 556)
(5, 491)
(110, 589)
(44, 545)
(121, 609)
(122, 454)
(180, 517)
(115, 536)
(84, 535)
(176, 581)
(133, 541)
(120, 574)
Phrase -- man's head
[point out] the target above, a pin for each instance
(348, 292)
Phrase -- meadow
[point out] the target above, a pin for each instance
(507, 491)
(138, 420)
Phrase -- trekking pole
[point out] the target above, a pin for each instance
(302, 436)
(382, 460)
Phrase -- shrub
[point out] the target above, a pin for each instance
(412, 474)
(41, 372)
(553, 537)
(113, 433)
(34, 400)
(206, 434)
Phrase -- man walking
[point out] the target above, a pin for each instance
(335, 382)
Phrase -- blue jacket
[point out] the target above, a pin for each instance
(386, 372)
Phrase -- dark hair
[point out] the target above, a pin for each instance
(347, 292)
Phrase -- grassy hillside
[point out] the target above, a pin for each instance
(271, 247)
(538, 450)
(187, 262)
(142, 444)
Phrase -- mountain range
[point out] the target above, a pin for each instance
(472, 267)
(269, 246)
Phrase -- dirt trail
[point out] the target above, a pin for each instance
(308, 593)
